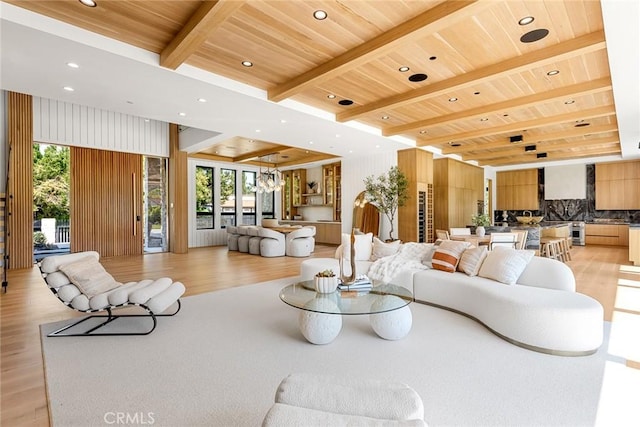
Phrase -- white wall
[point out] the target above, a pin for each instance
(354, 171)
(57, 122)
(3, 141)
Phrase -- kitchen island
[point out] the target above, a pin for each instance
(536, 231)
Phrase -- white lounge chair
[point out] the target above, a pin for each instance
(81, 283)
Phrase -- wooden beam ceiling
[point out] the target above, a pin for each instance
(207, 19)
(561, 93)
(430, 21)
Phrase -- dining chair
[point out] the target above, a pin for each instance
(442, 234)
(460, 231)
(503, 239)
(521, 238)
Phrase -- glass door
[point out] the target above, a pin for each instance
(155, 205)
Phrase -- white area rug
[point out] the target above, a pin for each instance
(219, 361)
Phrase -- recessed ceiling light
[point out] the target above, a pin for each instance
(417, 77)
(331, 96)
(454, 99)
(377, 146)
(403, 69)
(553, 72)
(202, 100)
(505, 115)
(476, 93)
(283, 121)
(338, 135)
(182, 114)
(423, 132)
(526, 20)
(247, 64)
(72, 65)
(454, 144)
(88, 3)
(311, 142)
(252, 140)
(68, 88)
(385, 117)
(258, 131)
(569, 102)
(350, 151)
(484, 119)
(433, 58)
(345, 102)
(534, 36)
(320, 15)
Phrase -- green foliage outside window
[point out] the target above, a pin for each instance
(51, 182)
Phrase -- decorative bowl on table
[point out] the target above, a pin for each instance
(325, 283)
(529, 219)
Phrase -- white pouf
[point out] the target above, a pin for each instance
(310, 267)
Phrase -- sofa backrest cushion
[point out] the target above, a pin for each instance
(363, 245)
(548, 273)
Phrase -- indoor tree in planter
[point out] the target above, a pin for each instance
(387, 192)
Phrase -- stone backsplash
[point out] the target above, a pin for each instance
(572, 209)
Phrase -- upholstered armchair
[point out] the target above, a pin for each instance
(272, 243)
(232, 237)
(254, 240)
(301, 242)
(243, 239)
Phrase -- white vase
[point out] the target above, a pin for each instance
(480, 231)
(325, 285)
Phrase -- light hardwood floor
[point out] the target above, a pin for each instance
(28, 303)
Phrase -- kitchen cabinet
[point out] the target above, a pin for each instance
(634, 245)
(458, 189)
(332, 190)
(617, 185)
(517, 190)
(607, 234)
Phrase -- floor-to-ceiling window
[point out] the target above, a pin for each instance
(248, 198)
(227, 197)
(204, 198)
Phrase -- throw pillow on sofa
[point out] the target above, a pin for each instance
(448, 254)
(382, 249)
(472, 259)
(363, 245)
(428, 257)
(505, 265)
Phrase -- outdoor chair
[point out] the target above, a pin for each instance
(81, 283)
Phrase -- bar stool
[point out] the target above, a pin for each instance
(566, 249)
(551, 248)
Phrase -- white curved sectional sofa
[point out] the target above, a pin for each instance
(541, 312)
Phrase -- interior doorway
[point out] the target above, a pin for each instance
(155, 205)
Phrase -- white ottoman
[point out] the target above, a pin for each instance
(309, 267)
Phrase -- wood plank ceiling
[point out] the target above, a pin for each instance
(487, 96)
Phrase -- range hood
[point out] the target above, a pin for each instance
(565, 182)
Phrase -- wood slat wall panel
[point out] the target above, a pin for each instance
(59, 122)
(20, 188)
(106, 196)
(178, 195)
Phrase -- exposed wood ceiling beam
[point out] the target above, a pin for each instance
(547, 147)
(254, 155)
(605, 110)
(532, 138)
(576, 90)
(613, 149)
(196, 31)
(568, 49)
(431, 21)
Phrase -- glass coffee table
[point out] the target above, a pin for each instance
(320, 316)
